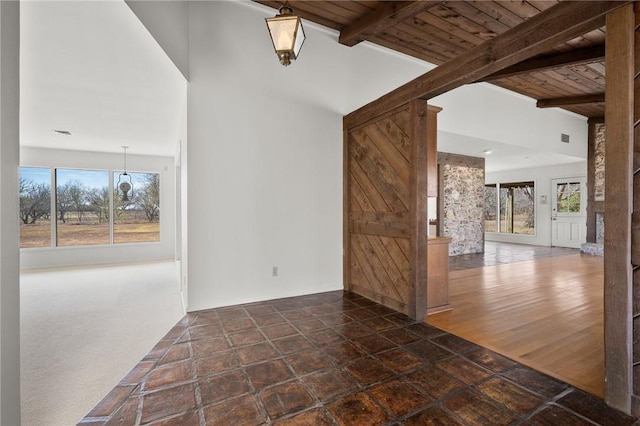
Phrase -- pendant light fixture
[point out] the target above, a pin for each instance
(287, 34)
(125, 184)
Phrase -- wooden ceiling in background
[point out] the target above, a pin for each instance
(570, 76)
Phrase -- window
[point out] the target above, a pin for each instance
(137, 218)
(568, 197)
(80, 195)
(35, 207)
(509, 208)
(84, 210)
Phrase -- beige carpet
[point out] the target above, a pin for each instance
(82, 330)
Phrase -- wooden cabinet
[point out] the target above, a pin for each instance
(438, 274)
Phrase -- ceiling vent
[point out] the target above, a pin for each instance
(564, 138)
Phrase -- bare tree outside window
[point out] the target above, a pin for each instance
(78, 221)
(35, 207)
(138, 218)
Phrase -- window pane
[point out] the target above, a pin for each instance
(490, 208)
(137, 216)
(35, 207)
(82, 201)
(568, 197)
(517, 213)
(523, 210)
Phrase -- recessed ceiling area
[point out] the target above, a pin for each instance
(93, 70)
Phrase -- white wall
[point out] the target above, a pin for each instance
(491, 113)
(542, 178)
(9, 237)
(168, 23)
(102, 254)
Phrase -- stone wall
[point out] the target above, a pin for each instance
(600, 228)
(599, 179)
(599, 163)
(463, 204)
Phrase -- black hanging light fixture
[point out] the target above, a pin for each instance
(125, 184)
(286, 34)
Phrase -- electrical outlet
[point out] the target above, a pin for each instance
(274, 271)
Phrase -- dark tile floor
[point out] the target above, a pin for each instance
(334, 358)
(500, 253)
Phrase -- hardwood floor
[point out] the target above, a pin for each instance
(544, 313)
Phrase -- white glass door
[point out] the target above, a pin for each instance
(568, 212)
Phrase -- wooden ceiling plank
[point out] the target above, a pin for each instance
(358, 8)
(595, 98)
(495, 10)
(585, 81)
(396, 44)
(457, 20)
(518, 85)
(426, 33)
(408, 35)
(553, 86)
(477, 16)
(446, 26)
(521, 8)
(537, 35)
(385, 16)
(541, 63)
(575, 80)
(543, 5)
(304, 13)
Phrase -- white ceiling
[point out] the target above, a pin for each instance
(91, 68)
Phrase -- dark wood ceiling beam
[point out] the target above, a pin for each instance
(386, 16)
(539, 34)
(595, 98)
(542, 63)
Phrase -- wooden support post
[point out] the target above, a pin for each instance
(619, 116)
(591, 178)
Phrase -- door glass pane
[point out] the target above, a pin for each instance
(568, 197)
(82, 200)
(35, 207)
(137, 216)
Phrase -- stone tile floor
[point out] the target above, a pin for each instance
(500, 253)
(334, 359)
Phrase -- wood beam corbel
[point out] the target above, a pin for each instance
(542, 63)
(595, 98)
(537, 35)
(385, 16)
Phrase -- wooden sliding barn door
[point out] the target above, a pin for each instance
(385, 205)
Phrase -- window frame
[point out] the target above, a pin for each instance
(53, 208)
(497, 186)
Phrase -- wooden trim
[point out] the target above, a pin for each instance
(346, 202)
(591, 178)
(380, 223)
(594, 98)
(539, 34)
(385, 16)
(419, 133)
(460, 160)
(440, 231)
(586, 55)
(618, 329)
